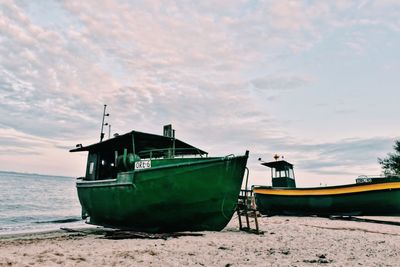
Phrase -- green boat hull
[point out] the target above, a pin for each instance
(349, 200)
(173, 195)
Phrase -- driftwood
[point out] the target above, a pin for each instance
(109, 233)
(84, 231)
(356, 219)
(121, 234)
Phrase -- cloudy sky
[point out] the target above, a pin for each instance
(315, 81)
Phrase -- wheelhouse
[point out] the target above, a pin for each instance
(282, 173)
(133, 150)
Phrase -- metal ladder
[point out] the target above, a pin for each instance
(245, 207)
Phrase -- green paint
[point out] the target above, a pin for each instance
(367, 203)
(284, 199)
(155, 183)
(181, 195)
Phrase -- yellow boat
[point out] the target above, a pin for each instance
(369, 196)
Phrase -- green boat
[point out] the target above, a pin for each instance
(369, 196)
(152, 183)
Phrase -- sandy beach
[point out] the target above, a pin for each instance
(287, 241)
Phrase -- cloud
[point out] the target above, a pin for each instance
(344, 154)
(15, 143)
(330, 163)
(212, 69)
(280, 83)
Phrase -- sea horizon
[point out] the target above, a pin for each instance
(34, 173)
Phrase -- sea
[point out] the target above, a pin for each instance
(36, 203)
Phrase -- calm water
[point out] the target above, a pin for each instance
(31, 202)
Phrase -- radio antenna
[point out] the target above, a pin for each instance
(102, 122)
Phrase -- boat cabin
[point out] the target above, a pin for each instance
(133, 150)
(282, 173)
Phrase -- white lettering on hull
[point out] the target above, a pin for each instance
(143, 164)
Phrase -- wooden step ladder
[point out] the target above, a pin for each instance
(246, 208)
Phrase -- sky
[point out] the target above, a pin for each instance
(314, 81)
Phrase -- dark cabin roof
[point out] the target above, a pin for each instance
(143, 142)
(278, 165)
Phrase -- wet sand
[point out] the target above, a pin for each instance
(287, 241)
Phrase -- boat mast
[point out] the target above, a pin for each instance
(102, 123)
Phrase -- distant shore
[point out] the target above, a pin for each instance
(287, 241)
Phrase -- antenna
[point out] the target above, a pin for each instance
(102, 123)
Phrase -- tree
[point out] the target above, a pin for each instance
(391, 164)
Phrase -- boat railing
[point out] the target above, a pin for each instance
(170, 153)
(375, 178)
(246, 207)
(372, 176)
(246, 195)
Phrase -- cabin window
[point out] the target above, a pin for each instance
(287, 173)
(107, 167)
(91, 167)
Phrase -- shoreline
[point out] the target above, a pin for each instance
(287, 241)
(42, 230)
(47, 233)
(31, 235)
